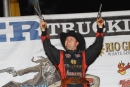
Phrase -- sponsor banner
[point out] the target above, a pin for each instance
(20, 42)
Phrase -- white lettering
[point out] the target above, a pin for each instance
(53, 27)
(111, 26)
(80, 27)
(126, 24)
(73, 73)
(65, 26)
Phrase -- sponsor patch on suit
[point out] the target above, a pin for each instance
(68, 55)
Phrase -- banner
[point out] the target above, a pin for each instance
(21, 47)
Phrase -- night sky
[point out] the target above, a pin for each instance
(71, 6)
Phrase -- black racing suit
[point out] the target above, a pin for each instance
(72, 59)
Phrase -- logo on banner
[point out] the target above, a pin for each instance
(122, 68)
(116, 48)
(102, 52)
(124, 83)
(44, 65)
(118, 26)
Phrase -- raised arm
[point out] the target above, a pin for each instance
(50, 50)
(93, 51)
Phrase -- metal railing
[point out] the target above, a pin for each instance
(6, 10)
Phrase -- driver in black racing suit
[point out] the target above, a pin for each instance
(73, 62)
